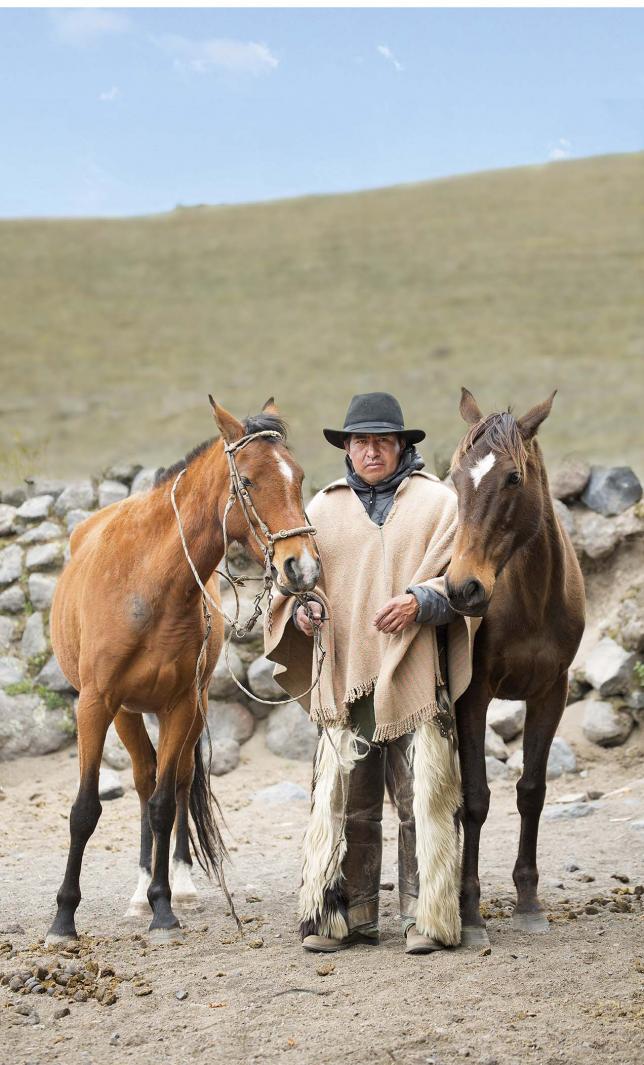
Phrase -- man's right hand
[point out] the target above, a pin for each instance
(302, 617)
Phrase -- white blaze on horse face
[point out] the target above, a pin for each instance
(483, 466)
(285, 469)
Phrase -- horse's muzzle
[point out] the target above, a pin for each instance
(298, 574)
(468, 598)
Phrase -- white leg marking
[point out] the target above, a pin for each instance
(483, 466)
(139, 905)
(183, 889)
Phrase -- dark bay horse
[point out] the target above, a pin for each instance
(127, 627)
(514, 565)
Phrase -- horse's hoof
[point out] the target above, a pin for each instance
(164, 936)
(474, 935)
(530, 922)
(55, 939)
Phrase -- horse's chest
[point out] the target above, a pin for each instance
(524, 666)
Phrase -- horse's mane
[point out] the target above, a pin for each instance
(256, 423)
(501, 434)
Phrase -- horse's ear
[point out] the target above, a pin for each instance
(230, 428)
(469, 408)
(270, 407)
(533, 418)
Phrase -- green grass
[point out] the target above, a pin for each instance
(511, 282)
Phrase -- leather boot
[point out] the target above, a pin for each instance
(363, 830)
(400, 784)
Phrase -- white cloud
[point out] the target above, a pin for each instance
(110, 95)
(201, 56)
(561, 149)
(387, 54)
(82, 26)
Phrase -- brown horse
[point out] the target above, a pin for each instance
(128, 626)
(514, 565)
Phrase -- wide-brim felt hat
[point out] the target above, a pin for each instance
(373, 412)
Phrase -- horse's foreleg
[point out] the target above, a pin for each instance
(93, 720)
(471, 709)
(178, 734)
(542, 718)
(132, 732)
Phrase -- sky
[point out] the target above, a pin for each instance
(121, 112)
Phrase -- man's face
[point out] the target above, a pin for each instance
(374, 455)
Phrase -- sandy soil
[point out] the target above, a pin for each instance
(570, 996)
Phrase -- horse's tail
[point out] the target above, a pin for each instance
(209, 847)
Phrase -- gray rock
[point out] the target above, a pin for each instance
(145, 480)
(34, 641)
(261, 683)
(594, 535)
(629, 619)
(567, 811)
(35, 509)
(283, 792)
(494, 745)
(564, 515)
(79, 496)
(574, 796)
(109, 784)
(222, 685)
(495, 769)
(114, 752)
(225, 757)
(7, 519)
(111, 492)
(10, 564)
(44, 486)
(52, 677)
(571, 866)
(7, 632)
(122, 471)
(27, 726)
(561, 759)
(578, 687)
(637, 826)
(611, 490)
(44, 556)
(635, 699)
(12, 600)
(41, 590)
(230, 721)
(41, 534)
(75, 517)
(609, 668)
(13, 497)
(605, 724)
(506, 717)
(569, 478)
(291, 734)
(12, 670)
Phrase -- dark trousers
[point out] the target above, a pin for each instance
(384, 765)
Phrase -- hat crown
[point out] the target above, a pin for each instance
(369, 408)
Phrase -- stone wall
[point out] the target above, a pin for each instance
(601, 509)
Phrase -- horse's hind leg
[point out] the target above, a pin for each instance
(178, 734)
(542, 718)
(131, 730)
(93, 720)
(184, 892)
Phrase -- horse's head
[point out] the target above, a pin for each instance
(272, 479)
(498, 475)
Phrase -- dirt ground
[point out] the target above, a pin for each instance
(574, 995)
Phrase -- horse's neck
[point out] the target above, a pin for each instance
(539, 564)
(199, 496)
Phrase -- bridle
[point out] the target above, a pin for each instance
(239, 493)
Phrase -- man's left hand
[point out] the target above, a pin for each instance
(398, 614)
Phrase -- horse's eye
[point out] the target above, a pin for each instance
(513, 478)
(246, 483)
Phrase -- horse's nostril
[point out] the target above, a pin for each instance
(290, 569)
(473, 592)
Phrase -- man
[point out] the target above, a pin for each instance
(384, 535)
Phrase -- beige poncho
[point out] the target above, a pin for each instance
(362, 566)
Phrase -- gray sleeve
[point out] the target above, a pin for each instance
(433, 608)
(297, 605)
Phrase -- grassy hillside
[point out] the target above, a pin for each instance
(511, 282)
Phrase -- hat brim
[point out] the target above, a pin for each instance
(337, 436)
